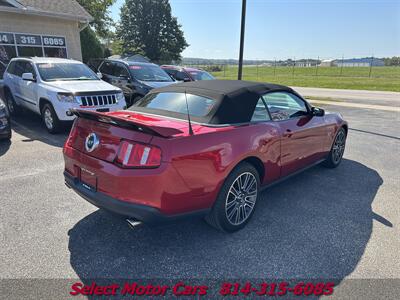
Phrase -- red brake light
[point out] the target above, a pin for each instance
(72, 134)
(134, 155)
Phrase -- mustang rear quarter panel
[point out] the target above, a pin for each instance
(333, 122)
(205, 160)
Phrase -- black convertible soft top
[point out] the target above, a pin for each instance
(235, 99)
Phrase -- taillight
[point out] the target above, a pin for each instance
(132, 155)
(72, 134)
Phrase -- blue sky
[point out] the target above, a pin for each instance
(288, 28)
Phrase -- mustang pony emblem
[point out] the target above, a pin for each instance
(92, 142)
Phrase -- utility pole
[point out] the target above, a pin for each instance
(294, 64)
(341, 67)
(257, 69)
(242, 29)
(370, 66)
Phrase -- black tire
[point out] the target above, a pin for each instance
(50, 119)
(228, 204)
(12, 106)
(336, 154)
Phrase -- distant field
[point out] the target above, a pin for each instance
(359, 78)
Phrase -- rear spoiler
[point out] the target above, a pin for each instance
(130, 124)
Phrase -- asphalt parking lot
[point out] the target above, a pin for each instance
(342, 223)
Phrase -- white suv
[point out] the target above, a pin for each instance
(52, 86)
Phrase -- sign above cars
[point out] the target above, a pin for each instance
(53, 41)
(29, 44)
(28, 39)
(6, 38)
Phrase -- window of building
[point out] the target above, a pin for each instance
(7, 52)
(55, 52)
(30, 51)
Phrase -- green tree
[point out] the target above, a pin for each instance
(100, 27)
(392, 61)
(98, 9)
(91, 45)
(148, 28)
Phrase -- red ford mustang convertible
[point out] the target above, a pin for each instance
(198, 148)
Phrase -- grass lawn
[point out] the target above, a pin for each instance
(381, 79)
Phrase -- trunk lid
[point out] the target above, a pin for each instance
(100, 134)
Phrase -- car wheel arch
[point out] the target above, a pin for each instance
(256, 162)
(6, 89)
(42, 102)
(346, 128)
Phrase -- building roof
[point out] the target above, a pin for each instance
(235, 99)
(361, 60)
(69, 9)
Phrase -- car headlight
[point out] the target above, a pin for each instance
(120, 97)
(69, 98)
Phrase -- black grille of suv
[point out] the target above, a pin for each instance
(99, 100)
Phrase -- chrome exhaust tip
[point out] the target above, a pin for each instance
(133, 223)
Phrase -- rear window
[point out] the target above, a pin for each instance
(175, 102)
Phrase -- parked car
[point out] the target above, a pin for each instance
(134, 78)
(95, 63)
(51, 87)
(187, 74)
(5, 124)
(150, 163)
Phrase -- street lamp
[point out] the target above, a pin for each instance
(242, 27)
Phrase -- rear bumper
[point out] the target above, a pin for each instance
(4, 134)
(144, 213)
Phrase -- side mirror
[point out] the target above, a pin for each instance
(99, 75)
(28, 77)
(318, 112)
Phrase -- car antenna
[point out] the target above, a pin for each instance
(188, 115)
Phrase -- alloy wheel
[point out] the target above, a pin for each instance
(241, 198)
(48, 118)
(10, 105)
(338, 147)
